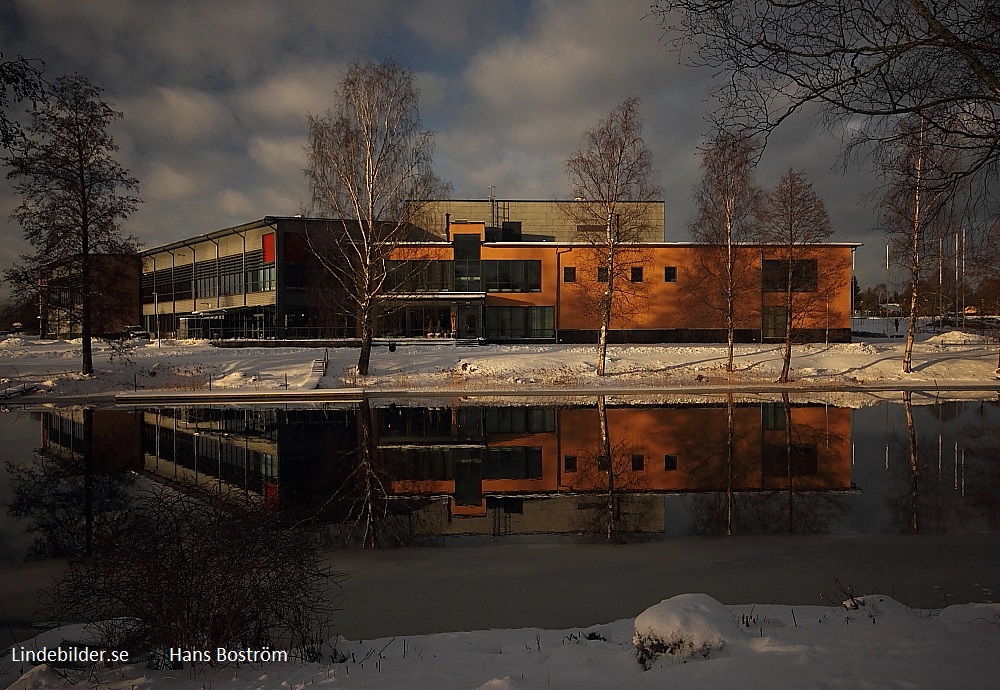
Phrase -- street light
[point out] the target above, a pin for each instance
(156, 316)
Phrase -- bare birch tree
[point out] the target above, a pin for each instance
(792, 218)
(369, 165)
(919, 204)
(727, 201)
(613, 171)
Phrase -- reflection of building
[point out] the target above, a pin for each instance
(471, 469)
(513, 274)
(283, 457)
(112, 440)
(114, 290)
(501, 467)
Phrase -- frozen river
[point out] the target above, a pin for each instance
(504, 512)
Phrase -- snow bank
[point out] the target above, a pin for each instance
(686, 626)
(957, 338)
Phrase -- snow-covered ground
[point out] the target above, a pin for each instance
(882, 644)
(688, 641)
(948, 358)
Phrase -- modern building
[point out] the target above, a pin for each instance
(493, 279)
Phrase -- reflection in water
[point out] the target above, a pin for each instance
(395, 474)
(947, 475)
(77, 478)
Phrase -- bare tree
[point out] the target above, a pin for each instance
(20, 80)
(727, 200)
(863, 63)
(918, 206)
(75, 195)
(612, 172)
(369, 165)
(792, 218)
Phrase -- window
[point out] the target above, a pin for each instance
(569, 463)
(602, 274)
(669, 463)
(512, 462)
(637, 274)
(420, 276)
(569, 274)
(775, 275)
(772, 416)
(638, 462)
(520, 322)
(669, 274)
(512, 276)
(602, 463)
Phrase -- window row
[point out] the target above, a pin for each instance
(636, 274)
(466, 275)
(637, 463)
(229, 275)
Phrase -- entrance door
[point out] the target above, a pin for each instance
(469, 320)
(773, 326)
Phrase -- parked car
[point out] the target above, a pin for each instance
(135, 333)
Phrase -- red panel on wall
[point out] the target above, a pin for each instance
(268, 246)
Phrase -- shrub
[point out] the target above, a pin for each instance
(198, 574)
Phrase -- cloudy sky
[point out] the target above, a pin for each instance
(216, 93)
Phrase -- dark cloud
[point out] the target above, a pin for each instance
(215, 96)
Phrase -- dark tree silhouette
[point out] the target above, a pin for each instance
(74, 194)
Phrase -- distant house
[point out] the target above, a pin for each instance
(502, 278)
(114, 288)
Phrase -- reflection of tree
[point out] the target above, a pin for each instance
(611, 473)
(63, 500)
(362, 501)
(921, 502)
(714, 459)
(981, 472)
(764, 478)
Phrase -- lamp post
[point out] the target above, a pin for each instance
(156, 316)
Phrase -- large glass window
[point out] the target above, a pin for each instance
(421, 276)
(804, 275)
(520, 322)
(512, 276)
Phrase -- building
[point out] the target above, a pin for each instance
(496, 280)
(531, 220)
(114, 282)
(247, 281)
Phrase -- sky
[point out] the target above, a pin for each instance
(216, 94)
